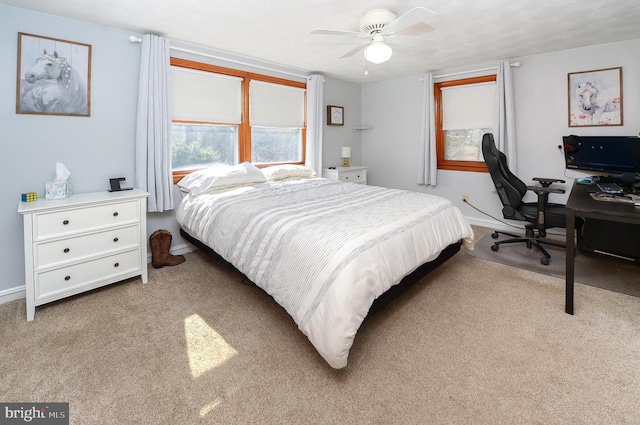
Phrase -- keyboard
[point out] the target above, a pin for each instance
(610, 188)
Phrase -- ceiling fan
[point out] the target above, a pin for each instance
(382, 27)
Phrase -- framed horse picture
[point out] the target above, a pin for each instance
(595, 98)
(54, 76)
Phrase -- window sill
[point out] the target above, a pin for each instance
(478, 167)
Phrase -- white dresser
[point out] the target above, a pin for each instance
(83, 242)
(352, 174)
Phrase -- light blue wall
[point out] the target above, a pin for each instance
(93, 148)
(540, 90)
(347, 95)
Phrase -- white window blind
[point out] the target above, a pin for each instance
(468, 106)
(205, 96)
(276, 105)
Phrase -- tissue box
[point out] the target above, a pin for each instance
(57, 190)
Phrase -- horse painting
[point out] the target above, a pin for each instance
(53, 86)
(593, 101)
(595, 97)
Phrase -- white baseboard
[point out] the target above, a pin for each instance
(176, 250)
(498, 225)
(492, 224)
(183, 249)
(12, 294)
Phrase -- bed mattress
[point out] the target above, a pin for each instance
(324, 250)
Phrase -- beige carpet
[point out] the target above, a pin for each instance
(476, 342)
(593, 269)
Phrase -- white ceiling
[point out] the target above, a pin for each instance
(467, 32)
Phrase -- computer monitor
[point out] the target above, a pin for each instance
(609, 154)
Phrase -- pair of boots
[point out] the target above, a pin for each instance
(160, 242)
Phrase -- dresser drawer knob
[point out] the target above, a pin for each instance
(65, 222)
(116, 265)
(115, 239)
(66, 250)
(115, 214)
(67, 277)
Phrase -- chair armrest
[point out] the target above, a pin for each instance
(544, 190)
(545, 182)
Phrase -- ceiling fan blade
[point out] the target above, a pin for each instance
(417, 15)
(418, 43)
(354, 50)
(336, 32)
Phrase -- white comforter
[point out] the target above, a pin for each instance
(324, 250)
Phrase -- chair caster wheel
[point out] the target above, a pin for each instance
(494, 247)
(544, 261)
(494, 235)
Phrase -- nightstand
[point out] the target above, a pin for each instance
(83, 242)
(352, 174)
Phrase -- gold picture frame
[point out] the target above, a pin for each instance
(595, 98)
(335, 115)
(53, 76)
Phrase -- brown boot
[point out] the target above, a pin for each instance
(160, 242)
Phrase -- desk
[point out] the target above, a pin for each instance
(581, 204)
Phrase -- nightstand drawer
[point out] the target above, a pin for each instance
(73, 249)
(81, 277)
(60, 223)
(353, 174)
(357, 176)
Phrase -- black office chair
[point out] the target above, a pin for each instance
(540, 215)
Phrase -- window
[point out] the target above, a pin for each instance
(464, 111)
(225, 116)
(276, 132)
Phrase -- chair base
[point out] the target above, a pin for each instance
(532, 239)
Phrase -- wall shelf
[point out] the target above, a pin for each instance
(363, 128)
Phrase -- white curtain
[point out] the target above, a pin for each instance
(315, 101)
(427, 160)
(153, 128)
(504, 128)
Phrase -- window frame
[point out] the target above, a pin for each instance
(444, 164)
(244, 128)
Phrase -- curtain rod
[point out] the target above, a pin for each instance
(135, 39)
(513, 65)
(180, 49)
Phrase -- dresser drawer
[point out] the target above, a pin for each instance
(357, 176)
(81, 277)
(60, 223)
(86, 246)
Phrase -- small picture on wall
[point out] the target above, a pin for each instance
(595, 98)
(54, 76)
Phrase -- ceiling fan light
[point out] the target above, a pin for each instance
(378, 52)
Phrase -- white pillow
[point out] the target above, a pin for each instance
(287, 171)
(221, 176)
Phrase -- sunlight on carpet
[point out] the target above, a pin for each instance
(209, 407)
(206, 349)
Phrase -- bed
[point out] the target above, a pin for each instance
(324, 250)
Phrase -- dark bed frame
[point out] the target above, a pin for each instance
(380, 302)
